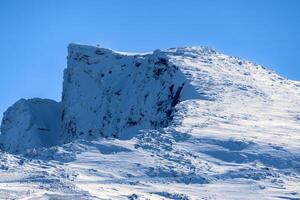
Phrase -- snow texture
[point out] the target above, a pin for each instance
(183, 123)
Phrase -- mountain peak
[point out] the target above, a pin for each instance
(188, 119)
(108, 93)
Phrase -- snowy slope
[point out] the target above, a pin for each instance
(233, 134)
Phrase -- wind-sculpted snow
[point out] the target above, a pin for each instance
(212, 127)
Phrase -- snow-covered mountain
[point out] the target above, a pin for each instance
(183, 123)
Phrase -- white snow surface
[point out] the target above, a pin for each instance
(234, 132)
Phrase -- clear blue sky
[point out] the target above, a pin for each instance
(34, 35)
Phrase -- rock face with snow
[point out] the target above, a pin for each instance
(105, 94)
(31, 124)
(210, 126)
(113, 95)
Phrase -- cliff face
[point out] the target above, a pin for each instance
(31, 124)
(113, 94)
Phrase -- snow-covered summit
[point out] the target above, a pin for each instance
(115, 94)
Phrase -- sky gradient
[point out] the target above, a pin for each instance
(34, 35)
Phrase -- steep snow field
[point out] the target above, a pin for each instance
(226, 129)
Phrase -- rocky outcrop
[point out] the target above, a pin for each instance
(105, 94)
(113, 94)
(29, 124)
